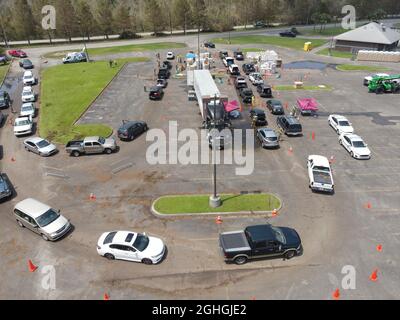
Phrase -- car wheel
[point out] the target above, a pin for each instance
(341, 142)
(76, 154)
(241, 260)
(290, 255)
(147, 262)
(109, 256)
(27, 149)
(20, 224)
(44, 237)
(108, 151)
(352, 154)
(338, 132)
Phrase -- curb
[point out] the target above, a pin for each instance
(214, 214)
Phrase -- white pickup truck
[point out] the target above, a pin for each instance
(320, 174)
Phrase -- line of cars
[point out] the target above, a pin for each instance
(164, 73)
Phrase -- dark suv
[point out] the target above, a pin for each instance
(290, 125)
(258, 117)
(164, 73)
(275, 106)
(265, 91)
(130, 130)
(5, 189)
(247, 95)
(238, 55)
(248, 68)
(156, 93)
(5, 100)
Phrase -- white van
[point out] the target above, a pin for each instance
(41, 219)
(75, 57)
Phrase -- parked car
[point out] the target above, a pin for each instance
(41, 219)
(258, 117)
(223, 54)
(75, 57)
(265, 91)
(5, 188)
(256, 79)
(209, 45)
(28, 110)
(163, 83)
(156, 93)
(340, 124)
(164, 73)
(268, 138)
(28, 79)
(170, 56)
(26, 64)
(227, 61)
(28, 95)
(5, 100)
(290, 125)
(240, 83)
(131, 246)
(130, 130)
(40, 146)
(355, 145)
(2, 118)
(368, 79)
(91, 145)
(248, 68)
(289, 34)
(238, 55)
(23, 126)
(320, 174)
(275, 106)
(17, 53)
(262, 241)
(167, 64)
(234, 70)
(247, 95)
(260, 24)
(235, 114)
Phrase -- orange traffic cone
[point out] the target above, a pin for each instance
(275, 213)
(368, 205)
(218, 220)
(336, 294)
(92, 197)
(374, 276)
(379, 248)
(290, 150)
(106, 297)
(13, 159)
(32, 267)
(332, 160)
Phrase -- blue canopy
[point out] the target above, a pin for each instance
(190, 56)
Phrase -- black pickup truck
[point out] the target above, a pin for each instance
(262, 241)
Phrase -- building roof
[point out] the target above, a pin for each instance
(205, 84)
(371, 33)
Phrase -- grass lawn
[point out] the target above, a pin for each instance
(3, 72)
(292, 88)
(67, 91)
(350, 67)
(333, 31)
(291, 43)
(121, 49)
(335, 53)
(231, 203)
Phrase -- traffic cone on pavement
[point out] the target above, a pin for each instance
(368, 205)
(275, 213)
(379, 248)
(32, 267)
(218, 220)
(336, 294)
(374, 276)
(290, 150)
(92, 197)
(106, 297)
(13, 159)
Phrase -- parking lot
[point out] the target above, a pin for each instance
(336, 230)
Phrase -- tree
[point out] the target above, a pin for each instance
(104, 16)
(66, 19)
(23, 20)
(122, 19)
(182, 13)
(85, 19)
(153, 15)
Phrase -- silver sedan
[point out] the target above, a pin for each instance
(40, 146)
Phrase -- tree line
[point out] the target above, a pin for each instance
(22, 19)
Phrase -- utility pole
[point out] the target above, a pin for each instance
(198, 33)
(84, 41)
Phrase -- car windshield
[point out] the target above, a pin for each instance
(43, 144)
(47, 218)
(141, 242)
(319, 168)
(102, 140)
(344, 123)
(359, 144)
(26, 93)
(26, 108)
(279, 236)
(22, 123)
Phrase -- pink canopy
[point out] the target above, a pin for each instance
(231, 106)
(307, 104)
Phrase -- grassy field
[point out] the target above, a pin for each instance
(333, 31)
(121, 49)
(67, 91)
(3, 72)
(291, 43)
(310, 88)
(245, 50)
(231, 203)
(350, 67)
(335, 53)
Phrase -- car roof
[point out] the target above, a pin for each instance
(33, 207)
(320, 161)
(258, 111)
(120, 238)
(27, 104)
(353, 137)
(35, 140)
(292, 120)
(268, 132)
(261, 232)
(339, 117)
(22, 118)
(128, 124)
(155, 88)
(27, 88)
(274, 101)
(26, 73)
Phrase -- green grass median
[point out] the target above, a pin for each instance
(3, 71)
(198, 204)
(291, 43)
(67, 91)
(351, 67)
(335, 53)
(121, 49)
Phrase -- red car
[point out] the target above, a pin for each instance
(17, 53)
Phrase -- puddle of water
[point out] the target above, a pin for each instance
(312, 65)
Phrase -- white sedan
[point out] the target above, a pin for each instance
(28, 110)
(170, 56)
(369, 78)
(40, 146)
(355, 146)
(131, 246)
(340, 124)
(28, 95)
(23, 126)
(256, 78)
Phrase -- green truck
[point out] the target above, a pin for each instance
(389, 84)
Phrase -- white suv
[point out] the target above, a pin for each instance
(28, 95)
(23, 126)
(29, 78)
